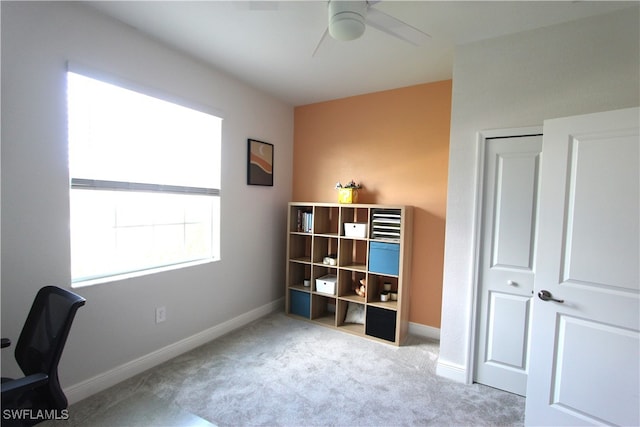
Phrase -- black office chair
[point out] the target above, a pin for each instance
(38, 352)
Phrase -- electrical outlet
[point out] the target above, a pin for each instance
(161, 314)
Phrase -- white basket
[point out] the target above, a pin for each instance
(355, 229)
(326, 284)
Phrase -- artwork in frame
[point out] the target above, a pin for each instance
(260, 163)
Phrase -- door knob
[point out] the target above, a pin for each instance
(546, 296)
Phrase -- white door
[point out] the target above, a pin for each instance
(585, 348)
(506, 264)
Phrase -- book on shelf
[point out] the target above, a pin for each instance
(305, 221)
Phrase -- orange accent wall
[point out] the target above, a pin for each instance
(396, 143)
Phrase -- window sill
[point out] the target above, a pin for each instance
(133, 274)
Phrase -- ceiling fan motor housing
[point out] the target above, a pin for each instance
(346, 19)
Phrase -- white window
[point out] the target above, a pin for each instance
(145, 182)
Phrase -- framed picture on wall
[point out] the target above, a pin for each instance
(259, 163)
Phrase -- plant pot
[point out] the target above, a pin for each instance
(347, 195)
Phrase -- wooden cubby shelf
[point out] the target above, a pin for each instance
(341, 245)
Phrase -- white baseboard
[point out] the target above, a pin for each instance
(100, 382)
(451, 371)
(424, 331)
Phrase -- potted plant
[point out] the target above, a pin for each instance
(348, 193)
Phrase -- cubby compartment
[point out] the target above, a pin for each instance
(300, 303)
(300, 247)
(386, 224)
(325, 250)
(376, 285)
(326, 220)
(298, 273)
(300, 219)
(348, 281)
(353, 254)
(381, 323)
(351, 316)
(323, 309)
(321, 270)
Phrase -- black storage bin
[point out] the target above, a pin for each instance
(381, 323)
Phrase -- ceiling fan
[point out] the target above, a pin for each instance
(348, 20)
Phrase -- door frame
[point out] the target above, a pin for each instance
(478, 206)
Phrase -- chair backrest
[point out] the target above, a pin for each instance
(44, 335)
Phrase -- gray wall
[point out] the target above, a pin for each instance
(520, 80)
(117, 326)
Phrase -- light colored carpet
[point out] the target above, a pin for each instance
(280, 371)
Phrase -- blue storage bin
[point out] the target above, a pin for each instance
(384, 258)
(300, 303)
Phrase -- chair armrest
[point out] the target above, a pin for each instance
(23, 384)
(6, 342)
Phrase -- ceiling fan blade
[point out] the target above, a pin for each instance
(322, 39)
(395, 27)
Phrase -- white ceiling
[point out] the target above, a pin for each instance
(269, 44)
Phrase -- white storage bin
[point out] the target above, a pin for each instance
(355, 229)
(326, 284)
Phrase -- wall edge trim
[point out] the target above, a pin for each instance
(424, 331)
(100, 382)
(452, 371)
